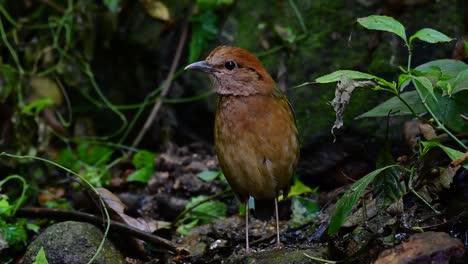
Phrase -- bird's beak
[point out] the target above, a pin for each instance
(200, 66)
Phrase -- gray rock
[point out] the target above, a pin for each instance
(73, 242)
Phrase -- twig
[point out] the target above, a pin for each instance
(320, 260)
(59, 214)
(410, 187)
(165, 88)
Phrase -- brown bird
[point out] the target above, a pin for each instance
(256, 137)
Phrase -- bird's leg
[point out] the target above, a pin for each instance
(278, 242)
(247, 226)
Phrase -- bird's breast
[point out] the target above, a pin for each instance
(256, 143)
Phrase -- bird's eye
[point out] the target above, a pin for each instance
(230, 65)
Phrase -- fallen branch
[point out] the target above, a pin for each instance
(58, 214)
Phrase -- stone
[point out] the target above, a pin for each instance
(73, 243)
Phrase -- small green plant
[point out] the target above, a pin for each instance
(203, 212)
(41, 257)
(13, 231)
(144, 163)
(440, 87)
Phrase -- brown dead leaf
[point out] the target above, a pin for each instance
(428, 131)
(343, 91)
(458, 162)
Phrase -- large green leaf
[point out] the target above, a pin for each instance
(430, 35)
(337, 75)
(449, 69)
(383, 23)
(447, 110)
(350, 199)
(452, 153)
(395, 106)
(208, 211)
(387, 185)
(455, 85)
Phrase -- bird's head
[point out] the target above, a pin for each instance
(235, 71)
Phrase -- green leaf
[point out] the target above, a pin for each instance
(204, 30)
(93, 154)
(457, 84)
(387, 185)
(346, 203)
(67, 159)
(144, 158)
(303, 211)
(430, 35)
(41, 257)
(208, 175)
(337, 75)
(5, 207)
(446, 109)
(33, 227)
(37, 106)
(15, 233)
(383, 23)
(186, 229)
(403, 80)
(396, 107)
(141, 175)
(448, 68)
(299, 188)
(112, 5)
(8, 80)
(208, 211)
(452, 153)
(427, 84)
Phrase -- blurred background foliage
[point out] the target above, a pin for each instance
(83, 68)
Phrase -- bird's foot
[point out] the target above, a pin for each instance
(279, 245)
(247, 251)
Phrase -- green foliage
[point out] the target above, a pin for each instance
(439, 86)
(14, 231)
(37, 106)
(204, 26)
(303, 211)
(337, 75)
(41, 257)
(202, 214)
(144, 163)
(209, 175)
(346, 203)
(299, 188)
(452, 153)
(388, 186)
(394, 106)
(430, 35)
(383, 23)
(112, 5)
(90, 160)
